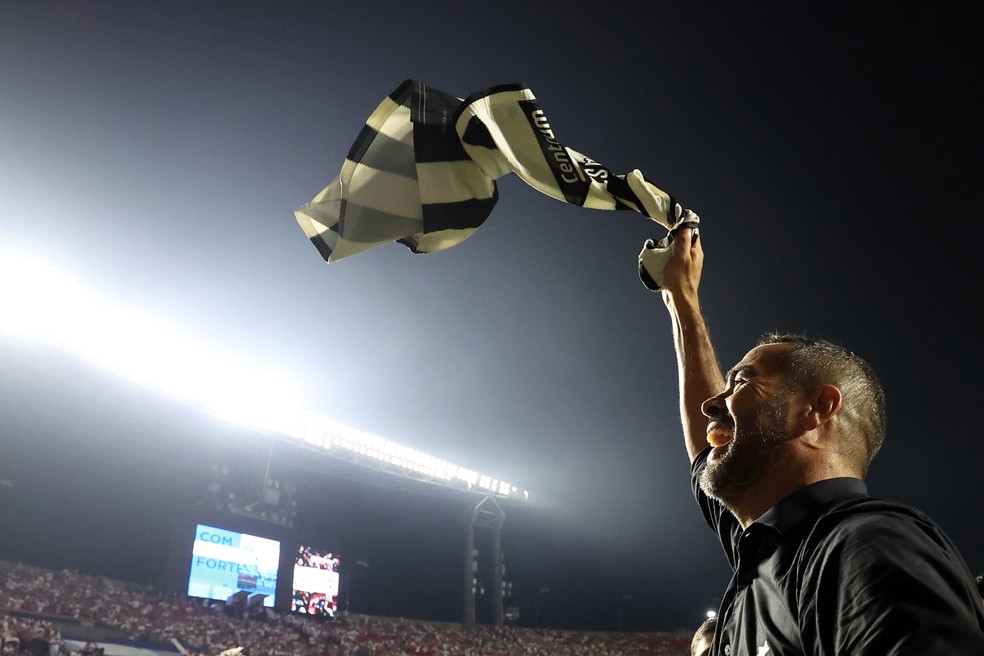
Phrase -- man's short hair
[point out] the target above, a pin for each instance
(811, 362)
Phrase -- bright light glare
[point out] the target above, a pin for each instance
(328, 434)
(39, 302)
(711, 613)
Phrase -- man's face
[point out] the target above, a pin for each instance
(751, 417)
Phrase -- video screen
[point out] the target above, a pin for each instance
(225, 562)
(315, 586)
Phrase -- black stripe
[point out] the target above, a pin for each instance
(647, 279)
(619, 188)
(362, 143)
(322, 247)
(428, 106)
(476, 134)
(457, 216)
(570, 182)
(433, 144)
(410, 242)
(404, 91)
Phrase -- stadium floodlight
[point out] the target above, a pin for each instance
(42, 303)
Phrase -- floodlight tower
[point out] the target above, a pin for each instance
(487, 513)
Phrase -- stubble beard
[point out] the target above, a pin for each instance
(748, 457)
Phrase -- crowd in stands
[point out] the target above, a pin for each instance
(28, 636)
(205, 628)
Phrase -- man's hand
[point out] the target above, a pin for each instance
(655, 256)
(682, 269)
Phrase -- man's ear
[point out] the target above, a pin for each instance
(825, 403)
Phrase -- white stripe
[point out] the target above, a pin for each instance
(392, 120)
(311, 216)
(438, 241)
(598, 198)
(311, 227)
(344, 247)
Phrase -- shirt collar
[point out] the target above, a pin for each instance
(804, 503)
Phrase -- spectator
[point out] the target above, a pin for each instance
(703, 637)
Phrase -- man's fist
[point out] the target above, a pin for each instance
(655, 254)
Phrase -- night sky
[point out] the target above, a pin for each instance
(156, 151)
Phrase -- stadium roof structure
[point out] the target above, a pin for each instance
(384, 456)
(44, 304)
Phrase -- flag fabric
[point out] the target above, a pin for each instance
(423, 170)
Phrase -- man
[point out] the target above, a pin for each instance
(779, 449)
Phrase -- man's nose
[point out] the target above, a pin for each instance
(714, 407)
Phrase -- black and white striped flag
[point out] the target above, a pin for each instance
(422, 172)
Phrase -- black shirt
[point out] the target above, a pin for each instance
(829, 570)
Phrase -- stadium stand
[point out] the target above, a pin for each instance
(66, 613)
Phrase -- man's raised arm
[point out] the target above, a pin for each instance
(697, 365)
